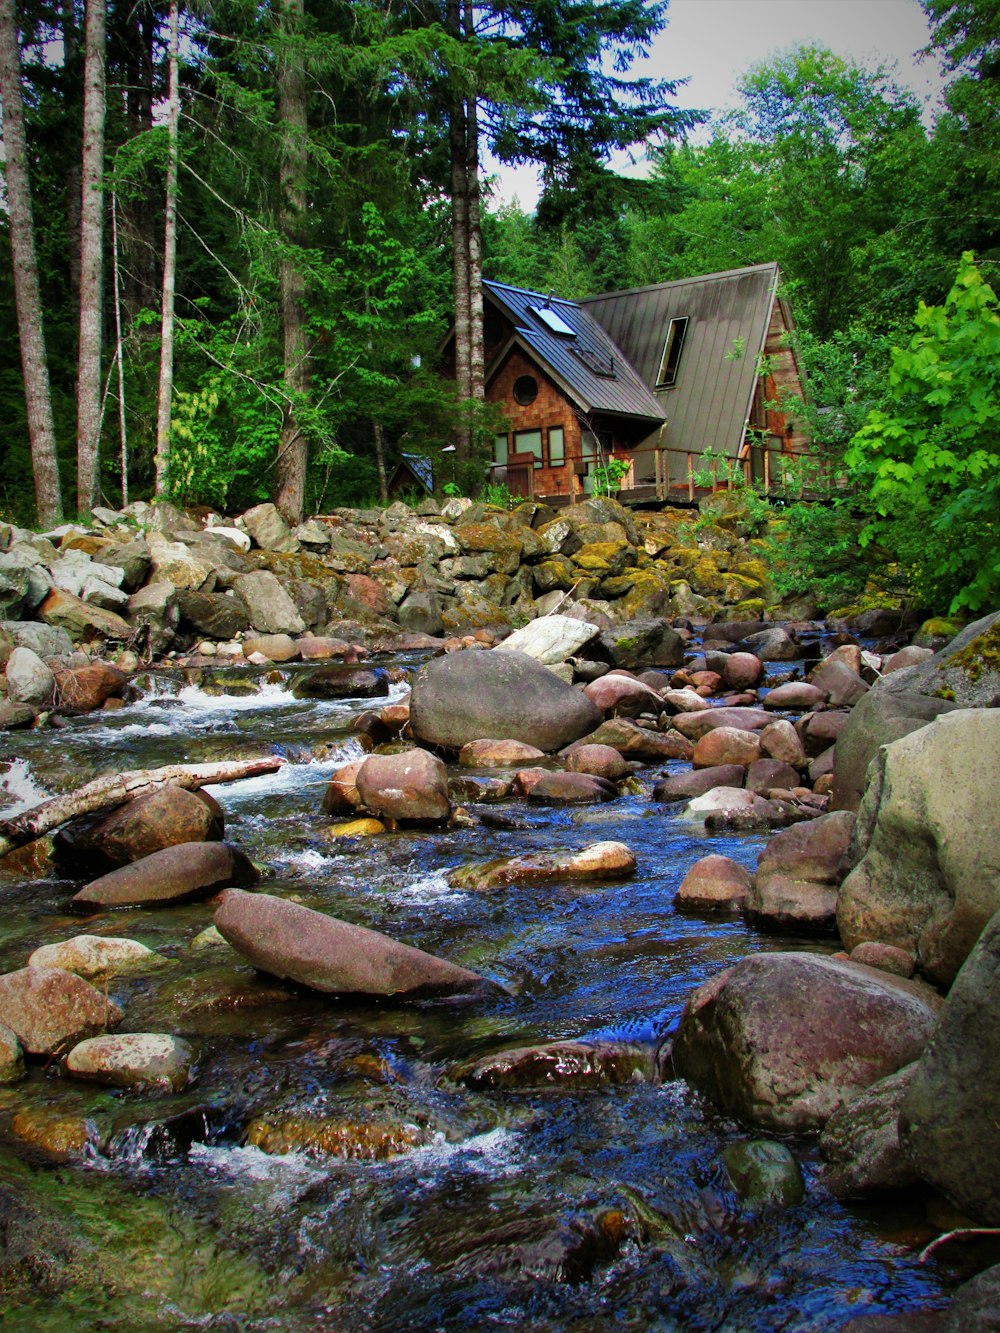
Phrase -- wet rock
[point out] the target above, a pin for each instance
(764, 1172)
(563, 1064)
(683, 786)
(82, 689)
(339, 683)
(714, 883)
(95, 957)
(564, 1248)
(13, 716)
(623, 696)
(695, 725)
(550, 639)
(742, 671)
(569, 788)
(860, 1142)
(11, 1056)
(603, 761)
(783, 1040)
(641, 743)
(779, 740)
(341, 795)
(57, 1135)
(147, 1061)
(798, 876)
(327, 1137)
(598, 861)
(269, 606)
(296, 943)
(949, 1121)
(794, 695)
(507, 696)
(355, 828)
(163, 818)
(498, 754)
(884, 956)
(412, 785)
(187, 870)
(479, 790)
(49, 1009)
(321, 647)
(726, 745)
(926, 879)
(29, 680)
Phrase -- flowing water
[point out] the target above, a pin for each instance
(540, 1209)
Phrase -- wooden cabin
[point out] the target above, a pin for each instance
(655, 376)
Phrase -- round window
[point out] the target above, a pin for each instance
(525, 389)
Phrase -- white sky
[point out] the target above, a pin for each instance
(713, 42)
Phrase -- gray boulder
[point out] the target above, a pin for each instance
(783, 1040)
(420, 610)
(289, 941)
(217, 615)
(926, 878)
(505, 696)
(269, 606)
(949, 1121)
(29, 680)
(643, 643)
(45, 640)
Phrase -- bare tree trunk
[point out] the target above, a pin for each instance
(117, 788)
(293, 450)
(27, 298)
(477, 372)
(88, 384)
(166, 386)
(71, 94)
(119, 347)
(383, 480)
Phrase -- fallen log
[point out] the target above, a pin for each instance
(117, 788)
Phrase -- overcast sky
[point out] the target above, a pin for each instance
(712, 42)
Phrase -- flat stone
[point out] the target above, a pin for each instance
(95, 957)
(598, 861)
(183, 871)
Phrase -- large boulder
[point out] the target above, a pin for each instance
(176, 873)
(270, 608)
(289, 941)
(505, 696)
(964, 674)
(162, 818)
(623, 696)
(49, 1009)
(799, 873)
(29, 680)
(950, 1117)
(412, 785)
(926, 878)
(639, 643)
(783, 1040)
(860, 1143)
(82, 620)
(550, 639)
(82, 689)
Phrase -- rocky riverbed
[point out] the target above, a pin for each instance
(631, 967)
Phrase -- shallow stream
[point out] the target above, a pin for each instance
(550, 1210)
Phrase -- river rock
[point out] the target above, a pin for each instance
(642, 643)
(598, 861)
(726, 745)
(714, 883)
(884, 956)
(550, 639)
(29, 680)
(771, 774)
(926, 879)
(162, 818)
(695, 725)
(183, 871)
(328, 1137)
(85, 688)
(269, 606)
(841, 687)
(779, 740)
(412, 785)
(798, 876)
(683, 786)
(794, 695)
(94, 957)
(45, 640)
(569, 788)
(498, 754)
(341, 795)
(57, 1135)
(295, 943)
(742, 671)
(911, 655)
(949, 1120)
(641, 743)
(764, 1172)
(11, 1056)
(860, 1142)
(147, 1061)
(507, 696)
(603, 761)
(219, 615)
(783, 1040)
(623, 696)
(562, 1064)
(774, 644)
(82, 620)
(337, 682)
(49, 1009)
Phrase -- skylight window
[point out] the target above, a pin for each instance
(673, 345)
(552, 321)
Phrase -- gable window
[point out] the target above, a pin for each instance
(525, 390)
(673, 345)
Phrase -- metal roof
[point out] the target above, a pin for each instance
(577, 352)
(728, 316)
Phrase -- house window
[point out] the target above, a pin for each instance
(557, 446)
(500, 449)
(553, 322)
(525, 390)
(529, 442)
(673, 345)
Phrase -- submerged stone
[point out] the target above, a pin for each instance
(564, 1064)
(600, 861)
(94, 956)
(764, 1172)
(369, 1141)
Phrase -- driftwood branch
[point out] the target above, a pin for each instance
(960, 1233)
(117, 788)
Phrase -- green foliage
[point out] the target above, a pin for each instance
(931, 460)
(608, 476)
(496, 493)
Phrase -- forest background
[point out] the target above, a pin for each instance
(235, 236)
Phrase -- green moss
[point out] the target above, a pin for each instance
(979, 655)
(945, 694)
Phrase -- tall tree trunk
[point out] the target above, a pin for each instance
(166, 386)
(34, 364)
(477, 368)
(71, 100)
(88, 383)
(293, 450)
